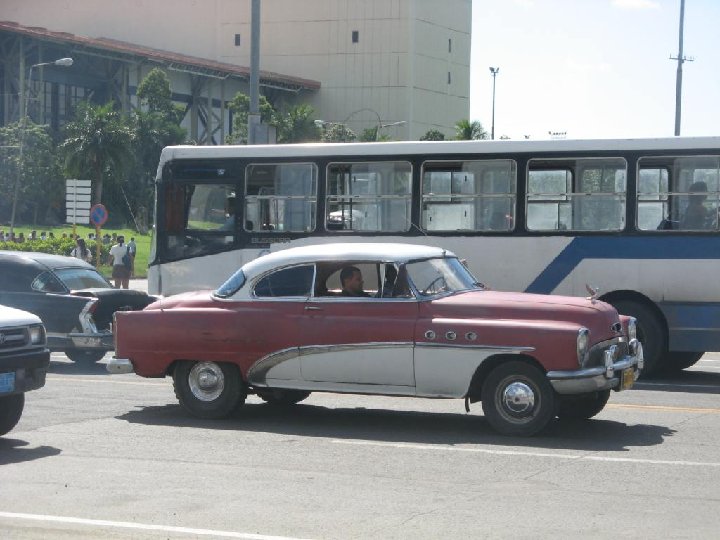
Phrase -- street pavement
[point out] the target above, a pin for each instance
(114, 456)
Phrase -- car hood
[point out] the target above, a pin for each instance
(16, 317)
(599, 317)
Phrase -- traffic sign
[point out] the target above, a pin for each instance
(98, 215)
(77, 200)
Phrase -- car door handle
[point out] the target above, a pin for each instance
(313, 308)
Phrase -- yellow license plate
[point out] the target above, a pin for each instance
(628, 379)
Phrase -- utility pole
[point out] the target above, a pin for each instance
(494, 71)
(254, 115)
(678, 80)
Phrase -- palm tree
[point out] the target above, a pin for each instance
(465, 130)
(97, 141)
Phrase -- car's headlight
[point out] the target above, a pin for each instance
(583, 339)
(37, 335)
(632, 329)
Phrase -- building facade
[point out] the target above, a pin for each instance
(400, 65)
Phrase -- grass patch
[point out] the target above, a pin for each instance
(142, 241)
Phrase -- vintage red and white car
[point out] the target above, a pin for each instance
(281, 328)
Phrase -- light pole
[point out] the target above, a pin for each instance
(494, 71)
(23, 128)
(678, 79)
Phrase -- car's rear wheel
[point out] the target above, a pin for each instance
(208, 389)
(11, 408)
(87, 356)
(517, 399)
(582, 406)
(282, 397)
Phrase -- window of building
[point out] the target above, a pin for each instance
(678, 193)
(355, 36)
(469, 195)
(576, 194)
(237, 40)
(370, 196)
(449, 78)
(280, 197)
(449, 45)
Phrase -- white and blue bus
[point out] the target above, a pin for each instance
(636, 219)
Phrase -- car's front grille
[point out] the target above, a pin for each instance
(597, 352)
(13, 338)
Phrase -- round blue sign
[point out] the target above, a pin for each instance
(98, 215)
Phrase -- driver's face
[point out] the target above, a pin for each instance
(354, 283)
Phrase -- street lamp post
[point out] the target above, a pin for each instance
(494, 71)
(23, 128)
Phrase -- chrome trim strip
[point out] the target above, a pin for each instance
(508, 348)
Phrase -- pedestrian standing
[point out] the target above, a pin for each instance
(121, 263)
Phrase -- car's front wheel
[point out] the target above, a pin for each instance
(582, 406)
(208, 389)
(280, 397)
(11, 408)
(88, 356)
(517, 399)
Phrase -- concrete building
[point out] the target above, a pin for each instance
(366, 63)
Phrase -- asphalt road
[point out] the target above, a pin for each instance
(113, 456)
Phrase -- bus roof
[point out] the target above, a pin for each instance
(435, 147)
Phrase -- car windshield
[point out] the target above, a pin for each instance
(231, 286)
(441, 276)
(82, 278)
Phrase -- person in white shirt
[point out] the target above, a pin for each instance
(120, 271)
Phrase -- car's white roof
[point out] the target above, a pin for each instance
(342, 252)
(16, 317)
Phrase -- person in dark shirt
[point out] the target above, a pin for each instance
(352, 282)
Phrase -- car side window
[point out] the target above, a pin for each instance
(47, 283)
(295, 281)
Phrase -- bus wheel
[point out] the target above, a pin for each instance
(651, 334)
(583, 406)
(517, 399)
(208, 389)
(679, 360)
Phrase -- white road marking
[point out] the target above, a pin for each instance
(142, 526)
(577, 457)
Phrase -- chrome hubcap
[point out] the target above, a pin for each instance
(206, 381)
(518, 398)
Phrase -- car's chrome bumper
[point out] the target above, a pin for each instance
(615, 374)
(120, 365)
(99, 340)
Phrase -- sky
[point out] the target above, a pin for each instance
(594, 68)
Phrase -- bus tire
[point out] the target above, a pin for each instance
(678, 360)
(209, 390)
(582, 406)
(651, 333)
(517, 399)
